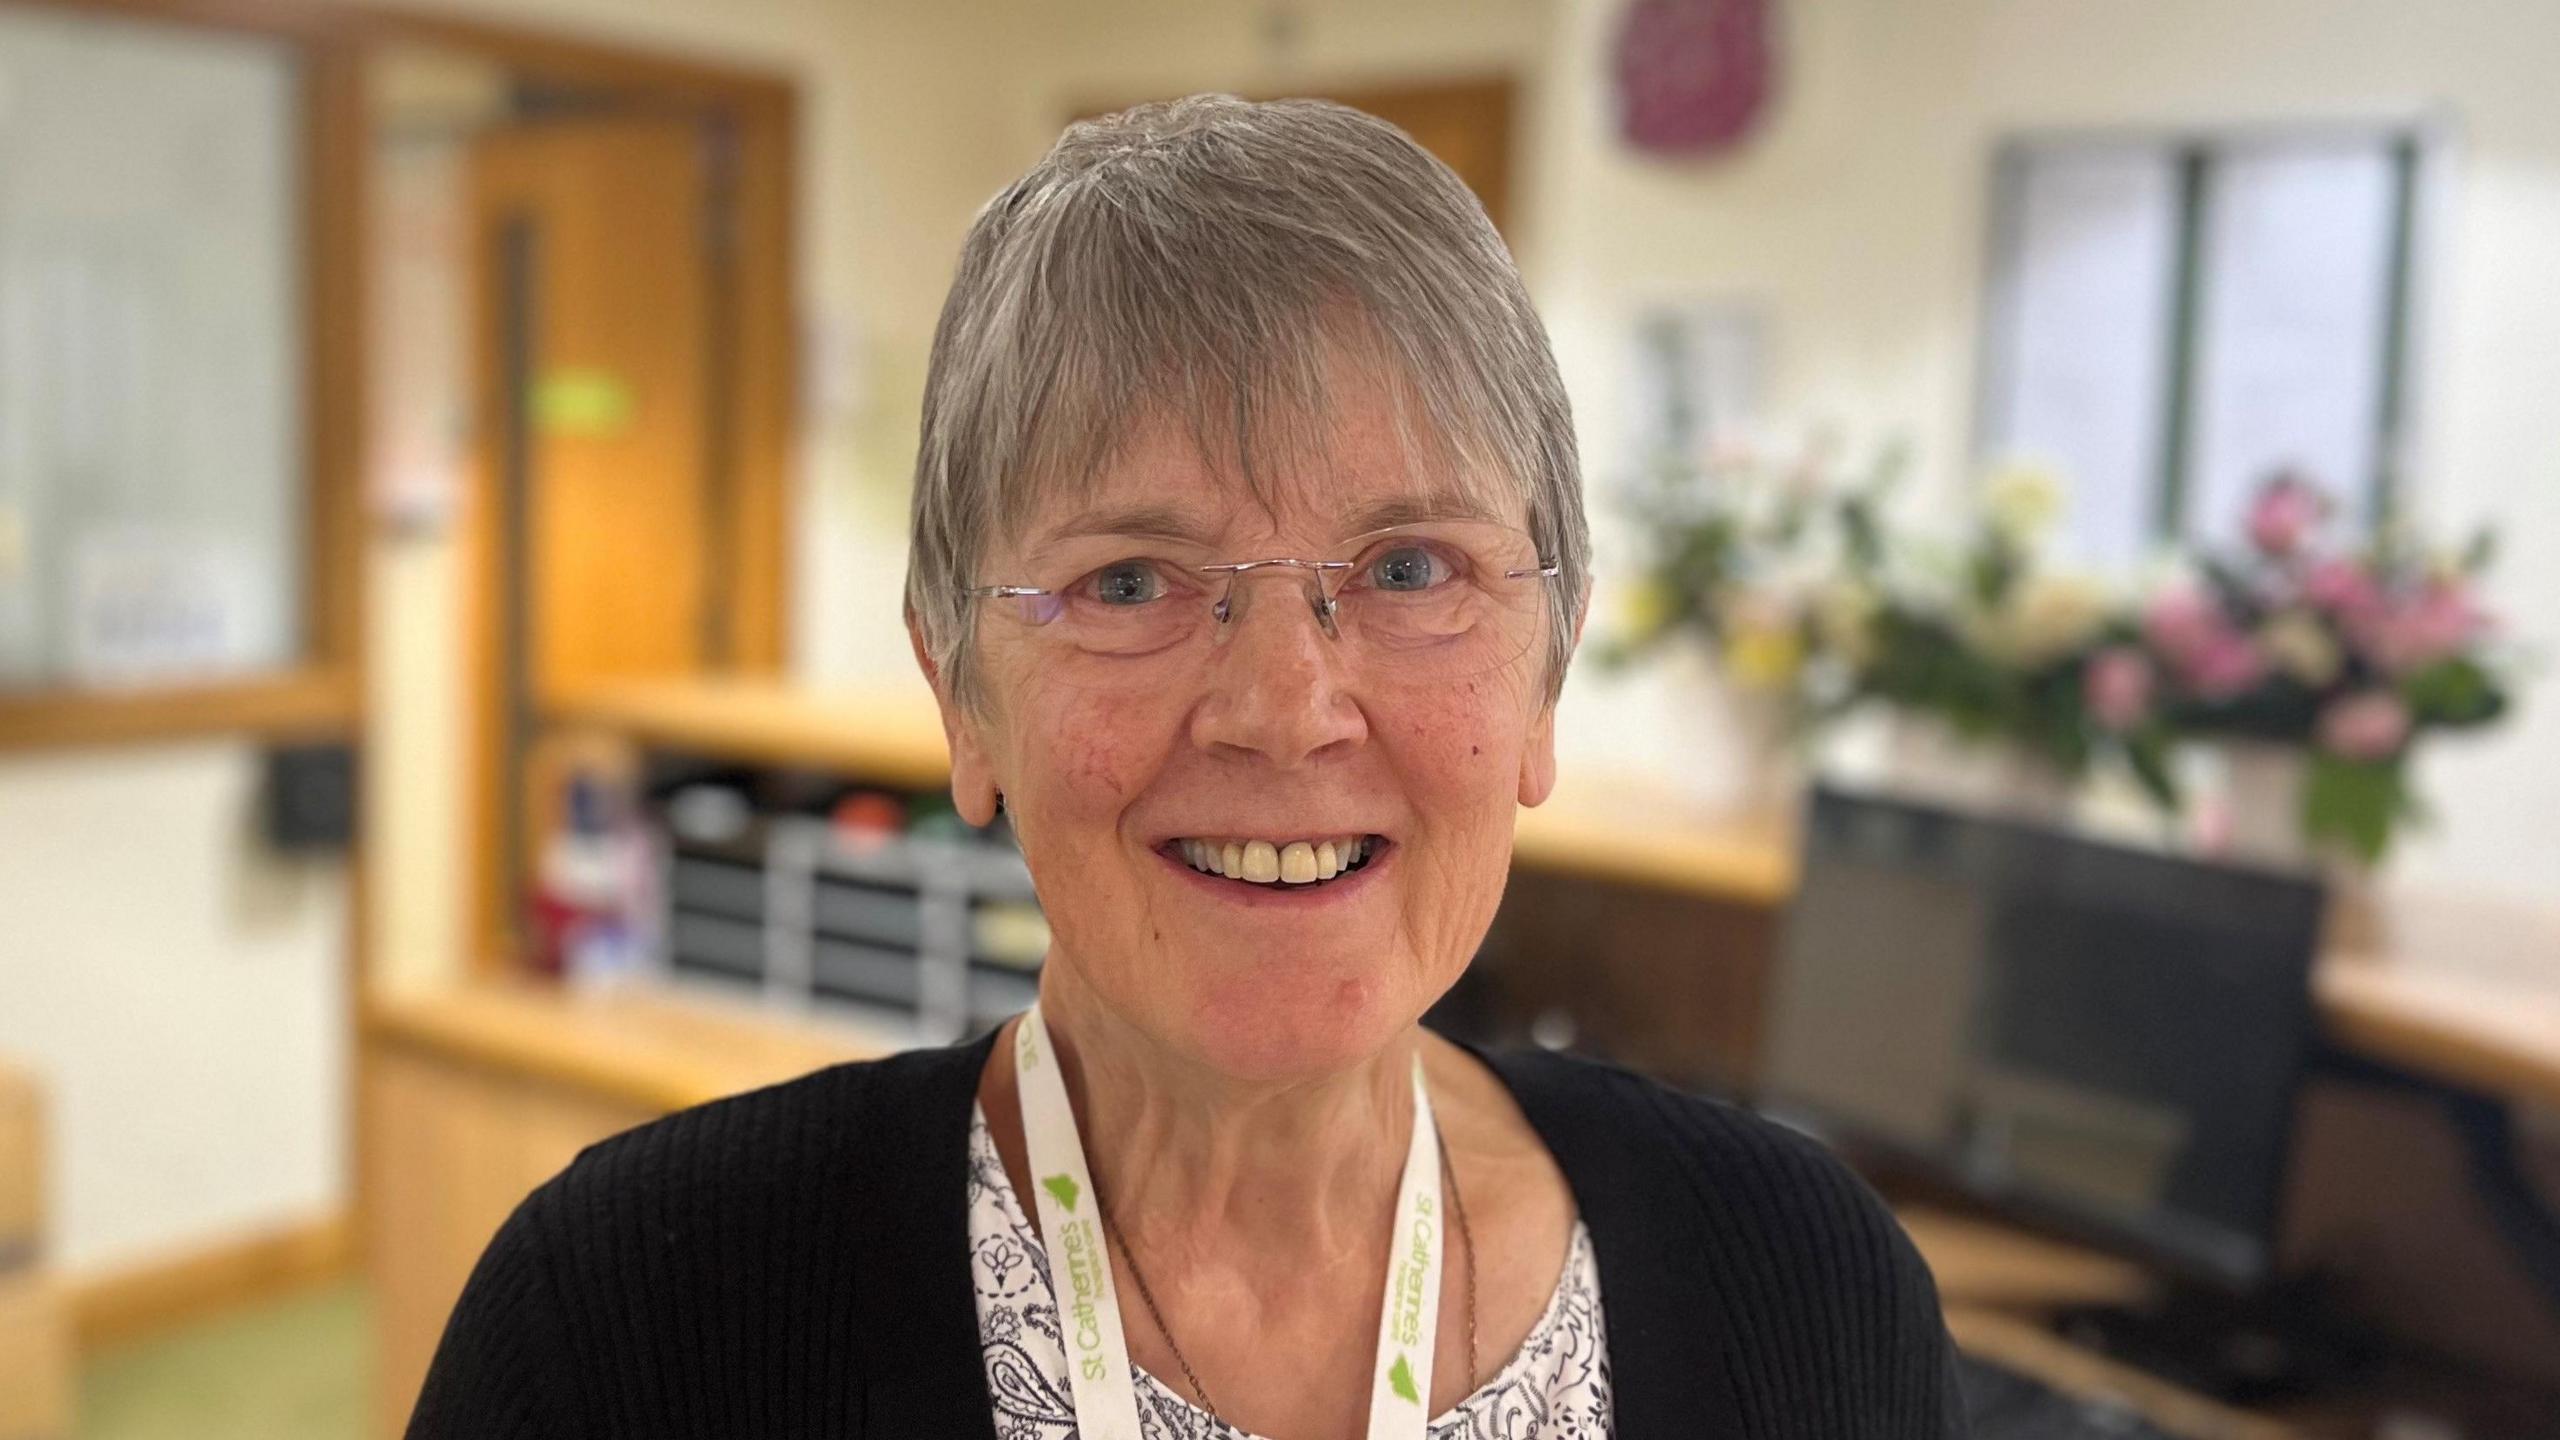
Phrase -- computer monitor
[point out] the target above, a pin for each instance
(2103, 1039)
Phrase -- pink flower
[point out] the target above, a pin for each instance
(2209, 654)
(2182, 620)
(2367, 726)
(2438, 622)
(2288, 509)
(2226, 667)
(2117, 687)
(2344, 588)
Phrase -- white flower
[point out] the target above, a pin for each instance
(2045, 618)
(2301, 647)
(2022, 499)
(1843, 614)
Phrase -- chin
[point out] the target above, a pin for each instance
(1280, 1023)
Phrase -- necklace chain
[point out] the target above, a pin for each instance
(1466, 1240)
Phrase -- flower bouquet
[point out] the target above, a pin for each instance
(1992, 640)
(2345, 655)
(2333, 658)
(1770, 566)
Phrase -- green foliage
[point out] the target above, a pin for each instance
(2146, 754)
(2457, 693)
(2355, 803)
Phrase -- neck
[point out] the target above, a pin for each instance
(1192, 1160)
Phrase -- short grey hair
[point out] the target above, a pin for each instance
(1208, 261)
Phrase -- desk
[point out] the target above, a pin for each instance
(1995, 1281)
(2464, 993)
(2461, 995)
(473, 1096)
(1998, 1284)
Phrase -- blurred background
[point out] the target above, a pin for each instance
(2067, 713)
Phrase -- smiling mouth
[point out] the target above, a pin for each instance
(1283, 864)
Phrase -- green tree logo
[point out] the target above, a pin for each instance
(1400, 1375)
(1064, 1188)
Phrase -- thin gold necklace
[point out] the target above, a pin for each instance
(1466, 1239)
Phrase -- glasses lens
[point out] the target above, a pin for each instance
(1129, 606)
(1450, 600)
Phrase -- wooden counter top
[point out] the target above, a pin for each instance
(1627, 832)
(2465, 991)
(890, 736)
(650, 1047)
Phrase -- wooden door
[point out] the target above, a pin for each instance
(1465, 124)
(601, 318)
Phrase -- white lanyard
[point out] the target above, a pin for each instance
(1106, 1397)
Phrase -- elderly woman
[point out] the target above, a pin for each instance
(1248, 555)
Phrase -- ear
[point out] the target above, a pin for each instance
(1538, 757)
(973, 777)
(1538, 751)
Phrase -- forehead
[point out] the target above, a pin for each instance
(1363, 464)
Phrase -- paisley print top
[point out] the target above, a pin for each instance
(1555, 1387)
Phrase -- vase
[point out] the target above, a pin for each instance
(2255, 813)
(2357, 920)
(1928, 760)
(1739, 761)
(2254, 816)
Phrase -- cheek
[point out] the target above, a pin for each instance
(1463, 756)
(1081, 757)
(1460, 765)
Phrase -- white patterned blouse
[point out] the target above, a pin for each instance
(1555, 1386)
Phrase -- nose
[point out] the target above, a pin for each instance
(1277, 680)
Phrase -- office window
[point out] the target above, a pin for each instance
(2170, 321)
(153, 470)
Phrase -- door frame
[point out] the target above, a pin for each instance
(760, 113)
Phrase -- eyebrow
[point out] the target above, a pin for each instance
(1161, 522)
(1409, 509)
(1165, 522)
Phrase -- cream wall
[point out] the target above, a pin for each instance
(181, 991)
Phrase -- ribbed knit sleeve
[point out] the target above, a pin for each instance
(502, 1370)
(1756, 1286)
(1846, 1334)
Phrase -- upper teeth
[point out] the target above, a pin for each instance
(1296, 862)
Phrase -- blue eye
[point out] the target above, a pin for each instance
(1129, 582)
(1407, 568)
